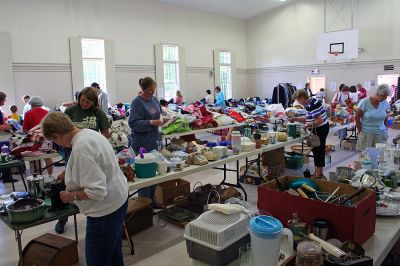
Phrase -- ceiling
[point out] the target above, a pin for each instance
(241, 9)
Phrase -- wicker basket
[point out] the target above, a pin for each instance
(306, 151)
(294, 160)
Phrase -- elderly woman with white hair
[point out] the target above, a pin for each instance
(371, 118)
(95, 183)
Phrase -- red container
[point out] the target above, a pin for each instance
(355, 223)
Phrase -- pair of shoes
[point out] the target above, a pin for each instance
(60, 225)
(9, 180)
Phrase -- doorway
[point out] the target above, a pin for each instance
(317, 83)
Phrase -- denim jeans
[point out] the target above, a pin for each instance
(104, 238)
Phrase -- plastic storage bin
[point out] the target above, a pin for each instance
(146, 167)
(294, 160)
(214, 257)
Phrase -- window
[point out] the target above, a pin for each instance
(93, 60)
(225, 73)
(171, 71)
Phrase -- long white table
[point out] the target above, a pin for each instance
(387, 232)
(145, 182)
(196, 131)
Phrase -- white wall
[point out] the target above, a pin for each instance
(40, 31)
(281, 45)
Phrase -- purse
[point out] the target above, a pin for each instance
(313, 139)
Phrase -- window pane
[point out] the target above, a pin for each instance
(225, 58)
(92, 48)
(170, 91)
(226, 81)
(170, 72)
(170, 53)
(94, 71)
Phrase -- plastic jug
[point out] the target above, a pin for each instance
(236, 142)
(266, 233)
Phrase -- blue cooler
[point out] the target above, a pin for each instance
(146, 167)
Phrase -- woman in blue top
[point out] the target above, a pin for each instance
(220, 97)
(144, 120)
(371, 118)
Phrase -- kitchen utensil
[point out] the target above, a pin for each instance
(312, 190)
(353, 248)
(302, 194)
(320, 228)
(293, 192)
(26, 210)
(56, 202)
(265, 234)
(36, 186)
(333, 194)
(332, 176)
(298, 182)
(358, 192)
(162, 167)
(345, 172)
(331, 249)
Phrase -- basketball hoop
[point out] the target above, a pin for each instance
(334, 53)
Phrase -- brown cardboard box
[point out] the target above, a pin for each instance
(167, 191)
(346, 223)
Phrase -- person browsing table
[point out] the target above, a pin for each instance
(317, 120)
(85, 114)
(144, 121)
(95, 183)
(371, 118)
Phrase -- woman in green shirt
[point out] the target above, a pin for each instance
(85, 114)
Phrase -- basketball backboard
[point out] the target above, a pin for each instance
(343, 44)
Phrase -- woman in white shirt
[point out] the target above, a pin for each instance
(209, 98)
(95, 184)
(353, 94)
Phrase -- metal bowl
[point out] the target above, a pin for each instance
(345, 172)
(26, 210)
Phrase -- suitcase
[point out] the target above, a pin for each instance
(50, 249)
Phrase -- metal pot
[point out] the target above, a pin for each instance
(26, 210)
(345, 172)
(36, 185)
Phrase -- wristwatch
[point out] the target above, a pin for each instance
(76, 196)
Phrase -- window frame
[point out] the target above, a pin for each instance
(102, 81)
(175, 63)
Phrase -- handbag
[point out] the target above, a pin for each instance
(313, 140)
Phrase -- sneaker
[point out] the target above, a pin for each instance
(60, 225)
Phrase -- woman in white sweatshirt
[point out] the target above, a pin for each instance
(95, 184)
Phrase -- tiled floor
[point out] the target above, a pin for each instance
(157, 245)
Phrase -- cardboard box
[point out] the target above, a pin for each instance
(139, 215)
(346, 223)
(168, 190)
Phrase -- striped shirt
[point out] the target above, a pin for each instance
(315, 108)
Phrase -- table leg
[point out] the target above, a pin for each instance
(21, 170)
(76, 229)
(12, 180)
(238, 179)
(18, 239)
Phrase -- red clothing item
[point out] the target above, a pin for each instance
(33, 118)
(362, 93)
(179, 100)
